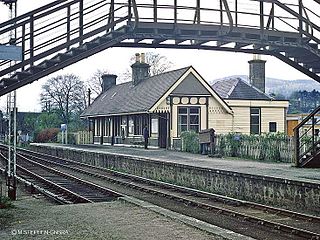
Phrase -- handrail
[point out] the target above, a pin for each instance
(307, 118)
(40, 9)
(289, 10)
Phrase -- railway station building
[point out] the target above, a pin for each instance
(181, 100)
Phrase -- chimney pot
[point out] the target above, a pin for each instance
(108, 81)
(137, 57)
(140, 69)
(143, 58)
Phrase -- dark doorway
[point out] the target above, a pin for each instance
(163, 131)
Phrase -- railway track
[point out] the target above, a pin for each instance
(239, 216)
(61, 187)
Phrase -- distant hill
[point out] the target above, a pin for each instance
(281, 86)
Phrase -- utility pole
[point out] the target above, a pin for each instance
(11, 173)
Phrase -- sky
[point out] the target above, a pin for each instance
(210, 64)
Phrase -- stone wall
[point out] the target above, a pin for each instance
(266, 190)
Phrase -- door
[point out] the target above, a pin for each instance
(163, 131)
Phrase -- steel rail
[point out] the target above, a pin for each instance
(75, 179)
(76, 198)
(41, 190)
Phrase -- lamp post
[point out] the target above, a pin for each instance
(11, 179)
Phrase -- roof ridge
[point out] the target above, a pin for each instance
(255, 88)
(233, 87)
(171, 71)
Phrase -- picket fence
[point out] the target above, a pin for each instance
(83, 137)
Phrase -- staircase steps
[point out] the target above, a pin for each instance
(306, 142)
(21, 75)
(35, 69)
(7, 81)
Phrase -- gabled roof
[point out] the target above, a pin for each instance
(127, 98)
(200, 86)
(238, 89)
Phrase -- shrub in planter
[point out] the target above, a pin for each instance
(190, 142)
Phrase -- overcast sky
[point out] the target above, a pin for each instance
(210, 64)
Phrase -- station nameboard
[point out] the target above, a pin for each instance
(9, 52)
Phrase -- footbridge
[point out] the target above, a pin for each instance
(66, 31)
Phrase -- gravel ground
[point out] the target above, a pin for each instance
(36, 218)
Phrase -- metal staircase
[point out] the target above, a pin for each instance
(66, 31)
(307, 141)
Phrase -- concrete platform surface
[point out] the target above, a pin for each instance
(278, 170)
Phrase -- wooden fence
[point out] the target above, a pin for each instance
(83, 137)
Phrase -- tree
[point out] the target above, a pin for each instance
(304, 101)
(66, 94)
(95, 82)
(158, 64)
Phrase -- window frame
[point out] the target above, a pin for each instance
(275, 127)
(255, 124)
(187, 115)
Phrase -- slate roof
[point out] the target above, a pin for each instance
(127, 98)
(237, 88)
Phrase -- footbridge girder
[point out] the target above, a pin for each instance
(66, 31)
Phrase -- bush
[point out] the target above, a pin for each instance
(268, 146)
(47, 135)
(190, 142)
(5, 202)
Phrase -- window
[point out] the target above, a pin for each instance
(131, 125)
(188, 119)
(117, 125)
(139, 122)
(255, 120)
(97, 126)
(107, 126)
(272, 127)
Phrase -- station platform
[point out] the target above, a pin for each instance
(266, 169)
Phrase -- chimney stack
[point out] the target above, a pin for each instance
(108, 81)
(140, 69)
(257, 75)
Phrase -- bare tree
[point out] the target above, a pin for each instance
(95, 82)
(66, 94)
(158, 64)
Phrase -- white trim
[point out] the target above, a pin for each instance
(114, 114)
(202, 81)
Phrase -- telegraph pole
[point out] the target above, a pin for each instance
(11, 173)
